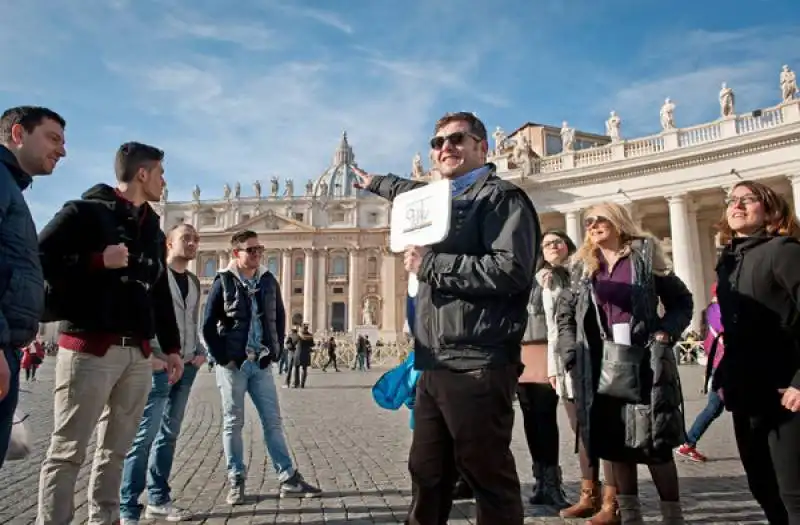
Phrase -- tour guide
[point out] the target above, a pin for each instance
(470, 318)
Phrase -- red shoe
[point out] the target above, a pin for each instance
(690, 453)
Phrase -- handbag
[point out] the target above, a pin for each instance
(19, 446)
(621, 372)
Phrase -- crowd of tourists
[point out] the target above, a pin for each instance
(502, 311)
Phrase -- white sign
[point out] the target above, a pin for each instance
(421, 217)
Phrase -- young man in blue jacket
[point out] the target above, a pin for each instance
(31, 143)
(244, 327)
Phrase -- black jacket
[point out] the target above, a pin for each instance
(474, 286)
(229, 311)
(88, 298)
(758, 291)
(21, 282)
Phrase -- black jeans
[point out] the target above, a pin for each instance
(770, 453)
(539, 405)
(463, 423)
(9, 403)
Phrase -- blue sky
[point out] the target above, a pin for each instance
(250, 89)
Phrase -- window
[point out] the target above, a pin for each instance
(298, 217)
(337, 216)
(272, 265)
(372, 267)
(245, 217)
(209, 267)
(298, 267)
(208, 219)
(372, 218)
(552, 144)
(339, 266)
(338, 290)
(297, 291)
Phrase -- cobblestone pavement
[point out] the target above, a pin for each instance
(357, 453)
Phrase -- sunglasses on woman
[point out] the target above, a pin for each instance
(455, 139)
(588, 222)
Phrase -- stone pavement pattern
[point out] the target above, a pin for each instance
(357, 453)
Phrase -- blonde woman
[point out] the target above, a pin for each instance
(618, 350)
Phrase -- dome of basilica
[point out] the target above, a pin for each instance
(338, 180)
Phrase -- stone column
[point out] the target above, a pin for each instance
(353, 303)
(697, 287)
(681, 235)
(308, 288)
(574, 230)
(322, 291)
(388, 291)
(795, 180)
(286, 284)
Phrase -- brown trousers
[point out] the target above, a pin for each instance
(463, 423)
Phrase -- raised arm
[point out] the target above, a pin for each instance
(510, 231)
(390, 186)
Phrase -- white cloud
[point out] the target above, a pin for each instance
(322, 16)
(248, 35)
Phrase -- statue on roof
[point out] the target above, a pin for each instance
(289, 188)
(226, 191)
(523, 155)
(613, 125)
(273, 190)
(499, 139)
(667, 115)
(726, 101)
(788, 84)
(567, 138)
(237, 190)
(417, 170)
(323, 189)
(196, 193)
(309, 188)
(257, 188)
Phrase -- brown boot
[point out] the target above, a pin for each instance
(609, 509)
(588, 503)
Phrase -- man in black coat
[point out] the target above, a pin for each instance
(471, 312)
(31, 143)
(104, 262)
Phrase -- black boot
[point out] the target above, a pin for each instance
(548, 490)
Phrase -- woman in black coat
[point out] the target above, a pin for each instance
(758, 292)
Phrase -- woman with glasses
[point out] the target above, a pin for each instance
(619, 352)
(540, 382)
(758, 291)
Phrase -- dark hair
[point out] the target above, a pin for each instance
(242, 237)
(778, 216)
(132, 156)
(178, 227)
(476, 127)
(29, 117)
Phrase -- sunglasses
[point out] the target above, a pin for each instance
(455, 139)
(744, 200)
(252, 250)
(588, 222)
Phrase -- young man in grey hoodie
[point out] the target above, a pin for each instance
(150, 457)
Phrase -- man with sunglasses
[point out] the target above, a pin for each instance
(244, 327)
(471, 312)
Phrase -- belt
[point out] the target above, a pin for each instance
(122, 340)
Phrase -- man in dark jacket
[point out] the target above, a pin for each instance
(243, 327)
(303, 357)
(31, 143)
(105, 267)
(470, 318)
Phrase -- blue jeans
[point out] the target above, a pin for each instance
(712, 411)
(9, 403)
(260, 384)
(153, 449)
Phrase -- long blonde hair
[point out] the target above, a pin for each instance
(621, 220)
